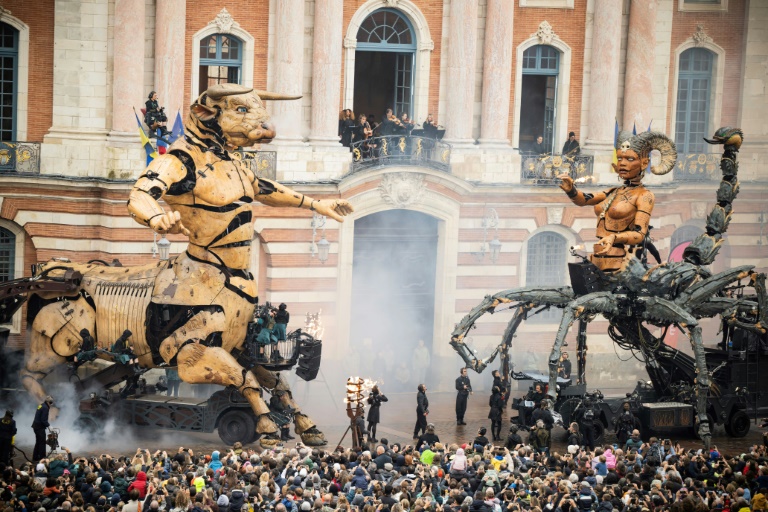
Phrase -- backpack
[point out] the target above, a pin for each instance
(543, 436)
(654, 455)
(589, 415)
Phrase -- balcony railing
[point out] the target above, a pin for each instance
(262, 163)
(400, 150)
(21, 157)
(544, 169)
(697, 167)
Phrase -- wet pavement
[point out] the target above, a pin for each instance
(398, 419)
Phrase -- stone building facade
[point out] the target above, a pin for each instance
(495, 73)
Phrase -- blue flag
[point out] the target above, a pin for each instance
(178, 128)
(634, 129)
(151, 153)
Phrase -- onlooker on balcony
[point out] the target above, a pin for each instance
(430, 127)
(346, 126)
(539, 148)
(571, 147)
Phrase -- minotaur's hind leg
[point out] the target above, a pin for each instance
(304, 426)
(55, 336)
(200, 364)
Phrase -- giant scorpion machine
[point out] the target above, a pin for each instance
(636, 297)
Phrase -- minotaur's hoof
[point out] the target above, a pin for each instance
(313, 437)
(269, 440)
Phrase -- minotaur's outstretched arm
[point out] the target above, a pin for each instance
(273, 193)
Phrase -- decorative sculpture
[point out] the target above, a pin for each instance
(627, 291)
(192, 311)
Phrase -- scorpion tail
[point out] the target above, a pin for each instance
(705, 247)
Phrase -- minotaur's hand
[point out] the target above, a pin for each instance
(333, 208)
(567, 182)
(169, 222)
(606, 242)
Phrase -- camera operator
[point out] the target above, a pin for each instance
(155, 117)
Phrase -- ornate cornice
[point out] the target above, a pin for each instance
(545, 33)
(4, 11)
(224, 22)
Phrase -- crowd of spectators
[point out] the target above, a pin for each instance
(477, 476)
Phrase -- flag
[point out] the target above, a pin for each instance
(151, 153)
(615, 142)
(162, 145)
(178, 128)
(634, 129)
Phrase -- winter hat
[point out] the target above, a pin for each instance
(40, 467)
(115, 499)
(223, 501)
(306, 506)
(358, 500)
(388, 466)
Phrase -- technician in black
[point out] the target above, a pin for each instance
(464, 388)
(422, 410)
(39, 425)
(7, 431)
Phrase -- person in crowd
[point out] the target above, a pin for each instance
(625, 423)
(463, 389)
(155, 117)
(480, 441)
(513, 438)
(571, 147)
(534, 397)
(496, 403)
(634, 443)
(40, 425)
(346, 126)
(375, 398)
(586, 420)
(543, 413)
(564, 370)
(422, 410)
(282, 317)
(7, 435)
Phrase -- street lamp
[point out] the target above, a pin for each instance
(163, 248)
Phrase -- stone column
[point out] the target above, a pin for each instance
(326, 68)
(497, 72)
(462, 37)
(641, 63)
(603, 95)
(170, 31)
(754, 108)
(289, 69)
(128, 70)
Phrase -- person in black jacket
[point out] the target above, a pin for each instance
(464, 389)
(571, 147)
(513, 439)
(7, 432)
(422, 410)
(282, 317)
(39, 425)
(496, 404)
(155, 117)
(374, 400)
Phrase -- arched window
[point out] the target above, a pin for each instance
(7, 255)
(9, 57)
(694, 88)
(221, 60)
(384, 71)
(546, 267)
(541, 59)
(541, 66)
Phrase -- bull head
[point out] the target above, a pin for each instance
(234, 113)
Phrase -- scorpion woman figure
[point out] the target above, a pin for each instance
(624, 213)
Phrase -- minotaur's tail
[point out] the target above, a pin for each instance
(704, 249)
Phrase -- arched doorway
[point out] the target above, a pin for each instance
(541, 66)
(384, 64)
(393, 293)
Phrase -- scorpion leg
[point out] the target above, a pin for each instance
(598, 302)
(664, 311)
(758, 283)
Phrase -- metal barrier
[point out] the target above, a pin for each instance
(22, 157)
(262, 163)
(400, 150)
(697, 167)
(544, 169)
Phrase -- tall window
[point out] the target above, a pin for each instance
(546, 267)
(221, 60)
(9, 56)
(7, 254)
(694, 88)
(541, 65)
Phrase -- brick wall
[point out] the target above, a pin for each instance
(39, 17)
(726, 28)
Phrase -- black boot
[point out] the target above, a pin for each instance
(285, 434)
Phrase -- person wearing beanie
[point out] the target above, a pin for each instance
(571, 147)
(7, 434)
(223, 503)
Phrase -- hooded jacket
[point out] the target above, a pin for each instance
(359, 481)
(215, 462)
(236, 500)
(140, 484)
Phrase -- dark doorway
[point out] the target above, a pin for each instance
(537, 107)
(393, 292)
(374, 83)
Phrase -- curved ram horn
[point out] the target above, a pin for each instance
(266, 95)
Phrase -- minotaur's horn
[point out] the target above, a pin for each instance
(266, 95)
(218, 91)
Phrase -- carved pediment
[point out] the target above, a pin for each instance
(224, 22)
(402, 189)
